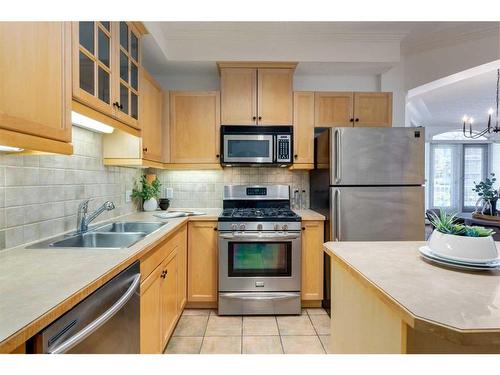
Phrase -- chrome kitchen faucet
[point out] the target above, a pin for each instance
(82, 221)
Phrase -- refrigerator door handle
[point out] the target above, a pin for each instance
(338, 154)
(335, 212)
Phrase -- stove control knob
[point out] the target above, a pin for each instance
(242, 227)
(276, 227)
(285, 227)
(259, 226)
(234, 226)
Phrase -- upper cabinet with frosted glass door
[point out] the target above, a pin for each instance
(106, 61)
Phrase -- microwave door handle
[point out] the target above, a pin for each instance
(92, 327)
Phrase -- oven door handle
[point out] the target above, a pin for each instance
(274, 296)
(257, 237)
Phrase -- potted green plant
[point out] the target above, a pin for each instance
(488, 195)
(461, 242)
(147, 192)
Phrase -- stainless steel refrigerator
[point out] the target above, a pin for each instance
(369, 183)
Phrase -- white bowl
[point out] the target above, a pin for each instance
(461, 248)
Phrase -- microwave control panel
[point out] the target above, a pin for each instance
(283, 148)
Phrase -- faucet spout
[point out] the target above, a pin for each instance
(83, 221)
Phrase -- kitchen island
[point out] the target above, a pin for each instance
(386, 299)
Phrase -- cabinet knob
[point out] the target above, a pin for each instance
(303, 228)
(116, 104)
(351, 120)
(260, 117)
(164, 274)
(357, 120)
(254, 118)
(295, 156)
(215, 228)
(217, 156)
(145, 149)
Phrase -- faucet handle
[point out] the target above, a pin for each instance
(84, 206)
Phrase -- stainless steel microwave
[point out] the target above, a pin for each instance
(256, 145)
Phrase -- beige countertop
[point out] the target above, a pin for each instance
(467, 302)
(34, 283)
(308, 214)
(38, 285)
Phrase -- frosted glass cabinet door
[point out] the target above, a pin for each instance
(92, 64)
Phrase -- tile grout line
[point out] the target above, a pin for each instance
(205, 331)
(315, 330)
(279, 334)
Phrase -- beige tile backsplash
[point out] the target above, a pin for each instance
(39, 194)
(198, 189)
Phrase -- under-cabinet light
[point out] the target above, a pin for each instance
(88, 123)
(10, 149)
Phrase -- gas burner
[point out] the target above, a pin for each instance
(268, 213)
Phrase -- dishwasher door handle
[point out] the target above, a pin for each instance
(92, 327)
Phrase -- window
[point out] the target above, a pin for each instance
(454, 167)
(455, 136)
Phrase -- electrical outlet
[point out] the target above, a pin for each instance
(128, 196)
(169, 193)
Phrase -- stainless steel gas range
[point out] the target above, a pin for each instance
(259, 252)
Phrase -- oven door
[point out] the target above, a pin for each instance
(248, 148)
(259, 262)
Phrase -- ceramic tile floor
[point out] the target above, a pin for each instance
(202, 331)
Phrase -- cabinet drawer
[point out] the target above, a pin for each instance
(160, 252)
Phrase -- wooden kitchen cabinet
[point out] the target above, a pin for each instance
(35, 99)
(163, 272)
(202, 262)
(303, 130)
(238, 96)
(194, 127)
(334, 109)
(151, 341)
(256, 93)
(106, 69)
(372, 109)
(358, 109)
(151, 118)
(168, 296)
(275, 96)
(312, 260)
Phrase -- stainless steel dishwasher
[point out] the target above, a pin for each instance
(105, 322)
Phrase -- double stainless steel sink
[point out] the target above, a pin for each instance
(117, 235)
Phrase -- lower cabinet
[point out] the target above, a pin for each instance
(202, 262)
(162, 292)
(312, 260)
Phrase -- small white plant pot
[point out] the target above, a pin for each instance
(150, 205)
(461, 248)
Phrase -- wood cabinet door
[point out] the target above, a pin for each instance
(312, 260)
(182, 270)
(94, 64)
(168, 297)
(238, 88)
(151, 118)
(303, 127)
(126, 85)
(373, 109)
(333, 109)
(275, 96)
(35, 71)
(202, 261)
(194, 126)
(151, 340)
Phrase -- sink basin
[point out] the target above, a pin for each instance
(132, 226)
(105, 240)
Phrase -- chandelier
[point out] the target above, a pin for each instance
(489, 129)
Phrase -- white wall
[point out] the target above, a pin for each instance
(336, 82)
(393, 80)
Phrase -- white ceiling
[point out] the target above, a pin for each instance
(319, 47)
(445, 106)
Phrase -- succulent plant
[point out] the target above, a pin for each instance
(447, 224)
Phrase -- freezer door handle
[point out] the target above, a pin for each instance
(337, 135)
(335, 212)
(92, 327)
